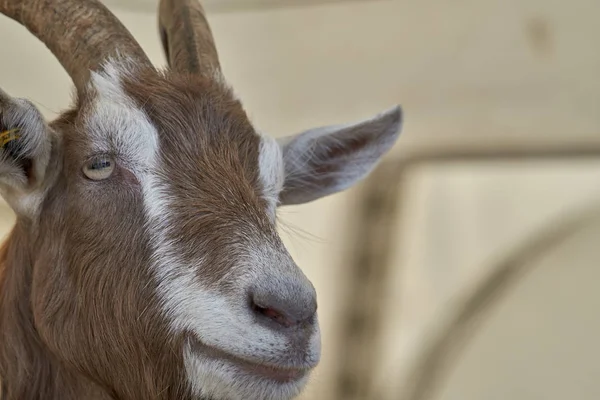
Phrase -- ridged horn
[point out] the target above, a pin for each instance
(82, 34)
(186, 37)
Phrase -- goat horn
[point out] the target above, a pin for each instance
(186, 37)
(81, 34)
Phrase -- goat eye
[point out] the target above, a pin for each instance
(99, 168)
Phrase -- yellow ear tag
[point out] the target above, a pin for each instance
(8, 136)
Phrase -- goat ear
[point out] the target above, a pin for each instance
(327, 160)
(25, 147)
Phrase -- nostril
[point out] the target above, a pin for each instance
(291, 305)
(272, 314)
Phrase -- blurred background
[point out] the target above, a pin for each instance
(462, 268)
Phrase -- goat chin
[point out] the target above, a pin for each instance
(218, 375)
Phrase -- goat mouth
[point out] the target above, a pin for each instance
(272, 373)
(282, 375)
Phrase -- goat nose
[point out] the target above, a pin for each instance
(287, 307)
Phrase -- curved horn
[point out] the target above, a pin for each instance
(81, 34)
(186, 37)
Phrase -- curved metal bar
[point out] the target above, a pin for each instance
(423, 379)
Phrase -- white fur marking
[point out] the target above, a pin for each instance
(271, 169)
(117, 125)
(213, 318)
(216, 320)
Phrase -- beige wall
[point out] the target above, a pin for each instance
(482, 67)
(506, 67)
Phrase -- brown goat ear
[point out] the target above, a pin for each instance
(25, 147)
(327, 160)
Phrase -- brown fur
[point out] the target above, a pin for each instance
(203, 128)
(78, 314)
(91, 306)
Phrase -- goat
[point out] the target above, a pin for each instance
(145, 261)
